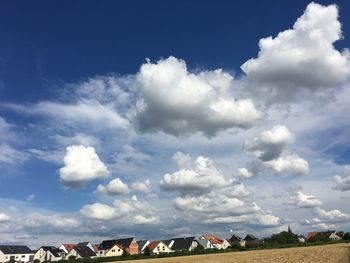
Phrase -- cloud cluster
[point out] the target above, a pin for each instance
(301, 58)
(206, 194)
(114, 187)
(269, 149)
(81, 165)
(270, 144)
(343, 181)
(203, 176)
(126, 210)
(304, 201)
(176, 101)
(4, 217)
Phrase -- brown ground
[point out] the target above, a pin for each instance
(318, 254)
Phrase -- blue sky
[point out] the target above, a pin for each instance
(179, 113)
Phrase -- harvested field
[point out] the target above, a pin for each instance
(320, 254)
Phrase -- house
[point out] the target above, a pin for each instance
(81, 252)
(49, 253)
(93, 247)
(16, 254)
(67, 247)
(301, 239)
(129, 245)
(331, 234)
(206, 244)
(217, 242)
(158, 247)
(235, 240)
(115, 251)
(334, 237)
(142, 244)
(250, 240)
(183, 243)
(311, 235)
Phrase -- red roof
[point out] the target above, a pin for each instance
(213, 239)
(69, 247)
(311, 234)
(153, 245)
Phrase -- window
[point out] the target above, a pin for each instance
(23, 256)
(158, 248)
(118, 249)
(113, 250)
(163, 248)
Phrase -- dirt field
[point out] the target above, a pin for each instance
(320, 254)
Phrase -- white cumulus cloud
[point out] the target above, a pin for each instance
(202, 177)
(301, 58)
(81, 164)
(270, 144)
(114, 187)
(176, 101)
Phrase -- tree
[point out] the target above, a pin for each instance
(346, 236)
(147, 251)
(284, 238)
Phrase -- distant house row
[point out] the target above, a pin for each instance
(118, 247)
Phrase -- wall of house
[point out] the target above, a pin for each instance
(51, 257)
(133, 249)
(161, 248)
(18, 257)
(225, 244)
(101, 253)
(115, 251)
(40, 255)
(193, 245)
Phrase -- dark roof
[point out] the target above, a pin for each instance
(16, 250)
(167, 242)
(56, 251)
(46, 248)
(141, 244)
(107, 244)
(182, 243)
(125, 242)
(82, 244)
(84, 252)
(250, 237)
(235, 238)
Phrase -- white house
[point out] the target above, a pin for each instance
(206, 244)
(217, 242)
(16, 254)
(334, 237)
(81, 252)
(115, 251)
(158, 247)
(49, 253)
(67, 247)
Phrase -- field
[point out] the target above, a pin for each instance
(320, 254)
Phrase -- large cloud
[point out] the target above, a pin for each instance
(270, 144)
(300, 58)
(202, 177)
(176, 101)
(81, 164)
